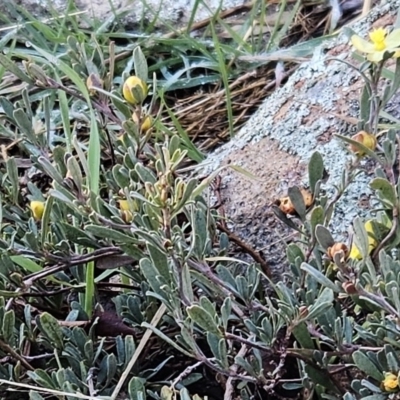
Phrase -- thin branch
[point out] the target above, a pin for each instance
(248, 342)
(8, 349)
(247, 249)
(206, 270)
(69, 262)
(185, 373)
(229, 390)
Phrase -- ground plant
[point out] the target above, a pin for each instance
(116, 281)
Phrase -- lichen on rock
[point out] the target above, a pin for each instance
(319, 100)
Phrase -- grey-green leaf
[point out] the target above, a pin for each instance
(35, 396)
(11, 66)
(136, 389)
(50, 327)
(202, 318)
(364, 363)
(316, 218)
(385, 190)
(140, 64)
(320, 277)
(8, 326)
(297, 200)
(12, 172)
(324, 237)
(315, 170)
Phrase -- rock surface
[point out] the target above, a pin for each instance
(319, 100)
(175, 12)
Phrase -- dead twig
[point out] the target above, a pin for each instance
(154, 322)
(185, 373)
(247, 249)
(8, 349)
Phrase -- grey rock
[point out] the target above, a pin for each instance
(297, 119)
(175, 12)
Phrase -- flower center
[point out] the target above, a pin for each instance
(378, 39)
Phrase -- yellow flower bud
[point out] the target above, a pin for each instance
(390, 383)
(126, 213)
(164, 195)
(127, 216)
(124, 205)
(37, 208)
(134, 82)
(146, 122)
(336, 248)
(367, 139)
(287, 207)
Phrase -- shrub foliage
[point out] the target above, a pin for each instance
(115, 281)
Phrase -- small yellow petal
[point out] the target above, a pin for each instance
(378, 35)
(355, 253)
(372, 242)
(390, 382)
(376, 56)
(146, 122)
(362, 45)
(126, 213)
(393, 39)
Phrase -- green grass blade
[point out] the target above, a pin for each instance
(94, 154)
(225, 79)
(193, 152)
(89, 289)
(64, 108)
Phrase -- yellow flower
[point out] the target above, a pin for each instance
(367, 139)
(377, 37)
(372, 242)
(146, 122)
(381, 42)
(133, 82)
(390, 383)
(37, 208)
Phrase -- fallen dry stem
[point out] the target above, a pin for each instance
(247, 249)
(154, 322)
